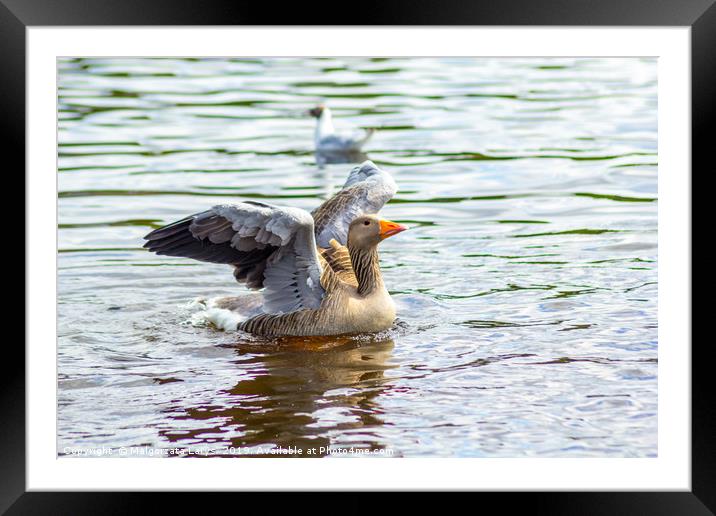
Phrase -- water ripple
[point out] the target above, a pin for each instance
(526, 287)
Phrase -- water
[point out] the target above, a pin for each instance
(526, 286)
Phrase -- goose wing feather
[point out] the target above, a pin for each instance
(366, 191)
(269, 246)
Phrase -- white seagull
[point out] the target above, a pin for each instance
(327, 141)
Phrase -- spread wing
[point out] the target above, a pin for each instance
(366, 191)
(269, 247)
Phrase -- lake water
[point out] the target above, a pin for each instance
(526, 287)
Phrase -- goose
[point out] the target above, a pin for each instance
(319, 271)
(326, 139)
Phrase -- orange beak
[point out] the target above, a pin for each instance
(388, 229)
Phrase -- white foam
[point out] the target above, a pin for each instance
(223, 319)
(209, 313)
(198, 303)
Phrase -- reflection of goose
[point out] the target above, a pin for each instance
(326, 362)
(285, 400)
(320, 273)
(326, 139)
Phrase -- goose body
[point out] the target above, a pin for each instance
(353, 303)
(319, 272)
(328, 141)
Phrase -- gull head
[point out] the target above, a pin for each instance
(317, 111)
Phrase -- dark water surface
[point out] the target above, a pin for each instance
(526, 287)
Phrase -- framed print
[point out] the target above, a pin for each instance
(434, 250)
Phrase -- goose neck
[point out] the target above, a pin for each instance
(366, 267)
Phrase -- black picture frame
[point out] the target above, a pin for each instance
(17, 15)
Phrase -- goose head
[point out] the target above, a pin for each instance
(368, 231)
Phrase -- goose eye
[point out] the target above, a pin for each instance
(366, 223)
